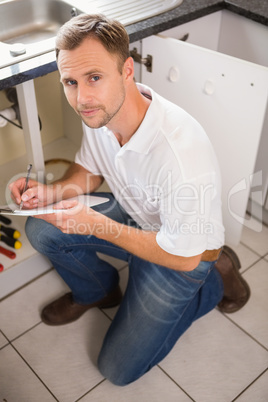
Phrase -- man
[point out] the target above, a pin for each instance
(164, 216)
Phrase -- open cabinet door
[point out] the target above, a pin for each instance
(228, 97)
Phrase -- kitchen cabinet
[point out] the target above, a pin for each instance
(204, 31)
(242, 38)
(248, 40)
(228, 96)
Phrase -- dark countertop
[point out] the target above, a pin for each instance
(189, 10)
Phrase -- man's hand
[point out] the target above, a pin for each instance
(76, 218)
(36, 195)
(83, 220)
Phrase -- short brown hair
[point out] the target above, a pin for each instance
(110, 33)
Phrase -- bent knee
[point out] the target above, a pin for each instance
(40, 233)
(114, 371)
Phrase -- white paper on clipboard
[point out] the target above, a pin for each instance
(88, 200)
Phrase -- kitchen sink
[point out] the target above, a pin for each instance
(131, 11)
(31, 21)
(28, 27)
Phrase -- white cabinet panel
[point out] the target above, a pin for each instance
(243, 38)
(204, 31)
(228, 97)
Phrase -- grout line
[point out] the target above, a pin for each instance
(256, 379)
(245, 332)
(95, 386)
(175, 382)
(8, 341)
(106, 315)
(252, 265)
(124, 267)
(25, 361)
(26, 284)
(25, 332)
(251, 249)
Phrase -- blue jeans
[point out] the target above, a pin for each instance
(159, 303)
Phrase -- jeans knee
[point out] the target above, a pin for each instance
(111, 373)
(40, 234)
(115, 372)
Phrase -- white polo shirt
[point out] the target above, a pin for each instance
(166, 176)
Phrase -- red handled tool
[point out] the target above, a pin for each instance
(1, 268)
(7, 253)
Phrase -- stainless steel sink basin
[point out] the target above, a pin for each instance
(30, 21)
(28, 27)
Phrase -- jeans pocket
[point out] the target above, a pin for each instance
(191, 281)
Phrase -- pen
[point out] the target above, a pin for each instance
(29, 168)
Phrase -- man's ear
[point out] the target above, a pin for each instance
(128, 69)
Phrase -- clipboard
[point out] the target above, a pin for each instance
(88, 200)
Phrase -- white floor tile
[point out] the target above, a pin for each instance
(17, 381)
(246, 256)
(21, 311)
(3, 340)
(215, 360)
(257, 241)
(253, 316)
(154, 386)
(256, 392)
(65, 357)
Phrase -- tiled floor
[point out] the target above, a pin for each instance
(221, 358)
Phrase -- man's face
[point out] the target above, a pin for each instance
(92, 83)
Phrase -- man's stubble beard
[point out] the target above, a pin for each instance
(107, 116)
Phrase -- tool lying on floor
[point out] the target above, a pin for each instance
(7, 253)
(5, 220)
(10, 232)
(10, 242)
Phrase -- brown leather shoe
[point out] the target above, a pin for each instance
(236, 290)
(64, 310)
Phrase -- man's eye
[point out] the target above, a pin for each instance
(71, 82)
(95, 78)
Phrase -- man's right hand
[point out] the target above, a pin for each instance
(36, 195)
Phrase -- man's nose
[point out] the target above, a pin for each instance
(84, 95)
